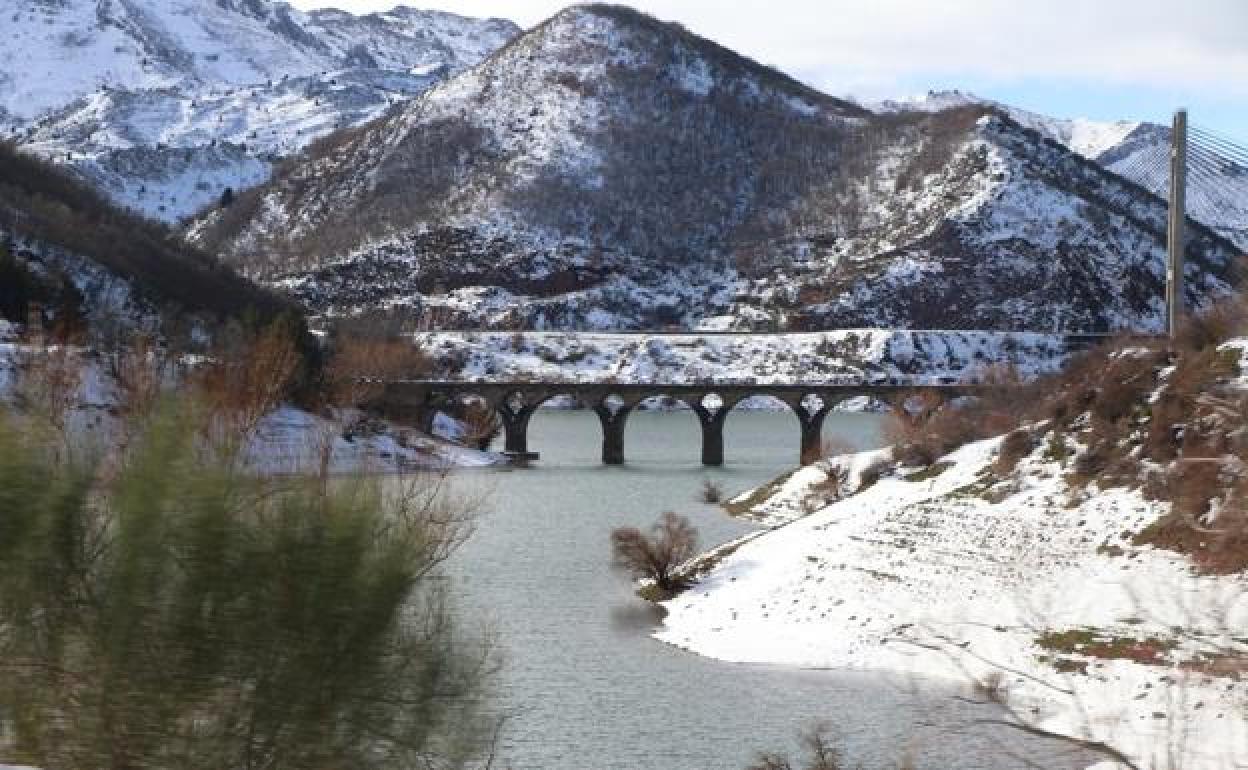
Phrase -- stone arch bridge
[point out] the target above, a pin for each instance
(516, 402)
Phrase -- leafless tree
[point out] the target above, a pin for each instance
(657, 555)
(821, 754)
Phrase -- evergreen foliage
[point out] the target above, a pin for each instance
(159, 609)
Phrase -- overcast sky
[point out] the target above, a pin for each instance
(1104, 59)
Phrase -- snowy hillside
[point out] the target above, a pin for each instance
(535, 146)
(942, 574)
(609, 171)
(168, 155)
(163, 105)
(58, 51)
(1089, 138)
(1132, 149)
(1084, 570)
(97, 273)
(845, 357)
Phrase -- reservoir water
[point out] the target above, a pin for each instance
(584, 684)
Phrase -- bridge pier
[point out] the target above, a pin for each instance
(712, 422)
(614, 418)
(811, 410)
(516, 402)
(812, 438)
(514, 410)
(516, 432)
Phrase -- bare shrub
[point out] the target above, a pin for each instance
(1091, 463)
(821, 753)
(829, 489)
(247, 378)
(49, 390)
(1016, 445)
(922, 434)
(141, 369)
(482, 425)
(672, 541)
(1209, 519)
(1121, 385)
(1215, 325)
(873, 473)
(712, 492)
(359, 368)
(834, 447)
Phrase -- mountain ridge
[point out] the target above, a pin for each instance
(165, 104)
(606, 169)
(1120, 146)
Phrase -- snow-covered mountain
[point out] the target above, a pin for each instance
(1089, 138)
(1136, 150)
(608, 170)
(164, 104)
(90, 269)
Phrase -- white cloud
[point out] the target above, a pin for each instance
(870, 46)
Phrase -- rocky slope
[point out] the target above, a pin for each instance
(607, 170)
(164, 105)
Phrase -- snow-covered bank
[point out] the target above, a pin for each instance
(287, 440)
(291, 440)
(1016, 582)
(861, 355)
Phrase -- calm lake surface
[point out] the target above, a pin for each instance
(585, 685)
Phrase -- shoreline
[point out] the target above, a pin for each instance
(900, 579)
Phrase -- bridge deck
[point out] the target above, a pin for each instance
(515, 402)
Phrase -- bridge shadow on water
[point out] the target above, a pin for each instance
(669, 441)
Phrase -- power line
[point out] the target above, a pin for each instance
(1220, 138)
(1149, 172)
(1224, 148)
(1147, 164)
(1229, 172)
(1214, 172)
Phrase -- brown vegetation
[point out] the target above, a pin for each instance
(249, 376)
(482, 425)
(656, 556)
(1155, 415)
(359, 366)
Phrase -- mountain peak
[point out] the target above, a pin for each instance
(96, 83)
(609, 169)
(59, 52)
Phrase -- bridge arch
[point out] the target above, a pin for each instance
(613, 403)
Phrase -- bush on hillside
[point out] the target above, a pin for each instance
(1155, 415)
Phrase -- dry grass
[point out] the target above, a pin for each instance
(1016, 445)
